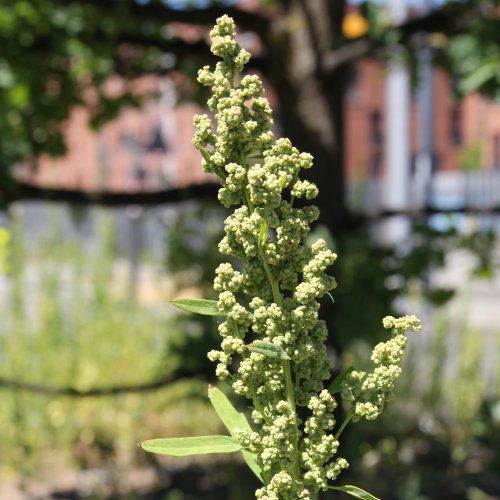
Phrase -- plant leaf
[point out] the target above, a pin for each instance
(477, 78)
(198, 306)
(233, 419)
(336, 385)
(200, 445)
(268, 349)
(205, 155)
(354, 491)
(263, 233)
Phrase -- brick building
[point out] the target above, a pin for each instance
(142, 149)
(466, 132)
(150, 148)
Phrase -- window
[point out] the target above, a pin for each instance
(456, 125)
(376, 126)
(156, 143)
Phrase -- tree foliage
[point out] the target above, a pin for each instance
(60, 54)
(56, 55)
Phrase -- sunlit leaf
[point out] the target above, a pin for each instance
(198, 306)
(355, 492)
(479, 77)
(233, 419)
(263, 234)
(200, 445)
(268, 349)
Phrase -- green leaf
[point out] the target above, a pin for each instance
(233, 419)
(268, 349)
(230, 417)
(199, 306)
(477, 78)
(336, 385)
(201, 445)
(354, 491)
(263, 233)
(205, 155)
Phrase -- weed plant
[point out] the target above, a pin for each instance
(273, 350)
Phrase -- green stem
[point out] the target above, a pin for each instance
(287, 371)
(290, 397)
(343, 426)
(249, 204)
(258, 406)
(274, 284)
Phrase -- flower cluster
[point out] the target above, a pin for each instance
(274, 297)
(368, 392)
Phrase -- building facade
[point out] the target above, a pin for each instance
(150, 148)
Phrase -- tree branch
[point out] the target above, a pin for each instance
(24, 191)
(49, 390)
(449, 21)
(159, 12)
(182, 49)
(348, 53)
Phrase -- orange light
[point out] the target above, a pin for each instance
(354, 25)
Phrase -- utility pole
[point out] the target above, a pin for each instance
(397, 172)
(424, 162)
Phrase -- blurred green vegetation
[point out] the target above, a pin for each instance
(435, 441)
(67, 323)
(191, 260)
(439, 438)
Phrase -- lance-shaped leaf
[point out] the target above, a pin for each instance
(206, 155)
(200, 445)
(354, 491)
(233, 419)
(210, 164)
(263, 233)
(268, 349)
(336, 385)
(199, 306)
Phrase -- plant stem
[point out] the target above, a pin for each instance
(291, 401)
(343, 426)
(287, 371)
(249, 204)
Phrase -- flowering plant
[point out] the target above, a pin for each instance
(273, 344)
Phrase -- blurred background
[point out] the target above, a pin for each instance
(106, 216)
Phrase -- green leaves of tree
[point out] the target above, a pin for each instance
(472, 57)
(200, 445)
(198, 306)
(54, 53)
